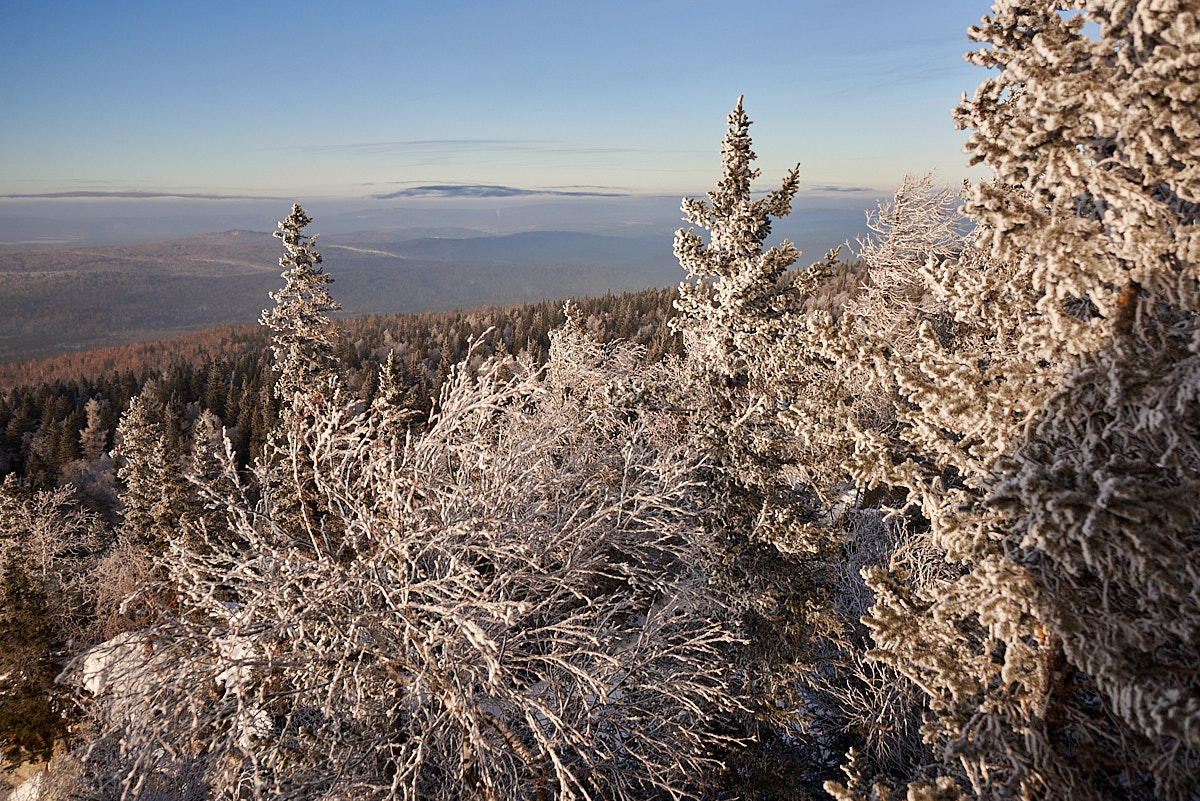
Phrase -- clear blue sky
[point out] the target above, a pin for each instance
(359, 98)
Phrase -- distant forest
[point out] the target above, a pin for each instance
(227, 371)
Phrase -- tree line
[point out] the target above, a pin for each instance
(227, 372)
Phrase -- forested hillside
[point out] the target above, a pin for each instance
(44, 408)
(918, 520)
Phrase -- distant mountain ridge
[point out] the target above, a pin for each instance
(58, 300)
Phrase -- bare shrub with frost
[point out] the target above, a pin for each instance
(839, 378)
(848, 408)
(505, 606)
(56, 543)
(919, 224)
(47, 547)
(120, 573)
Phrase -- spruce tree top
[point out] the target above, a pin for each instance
(303, 340)
(732, 288)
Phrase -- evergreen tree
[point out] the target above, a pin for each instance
(1052, 442)
(154, 494)
(211, 452)
(303, 340)
(1099, 494)
(391, 399)
(93, 440)
(389, 392)
(419, 397)
(733, 314)
(370, 383)
(305, 363)
(771, 562)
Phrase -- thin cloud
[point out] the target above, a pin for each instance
(488, 190)
(836, 188)
(136, 195)
(372, 148)
(909, 77)
(467, 146)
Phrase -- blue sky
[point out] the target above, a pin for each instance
(356, 99)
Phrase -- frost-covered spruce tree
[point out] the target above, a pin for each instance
(394, 401)
(390, 393)
(1063, 663)
(732, 309)
(735, 315)
(205, 468)
(951, 612)
(736, 311)
(154, 495)
(1100, 494)
(303, 335)
(514, 611)
(304, 362)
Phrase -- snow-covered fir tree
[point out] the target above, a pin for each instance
(93, 439)
(1050, 440)
(394, 400)
(731, 309)
(736, 309)
(1100, 494)
(304, 361)
(303, 334)
(154, 494)
(205, 469)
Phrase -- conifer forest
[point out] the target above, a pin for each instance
(920, 520)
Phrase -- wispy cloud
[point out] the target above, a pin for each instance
(910, 76)
(837, 188)
(488, 190)
(404, 145)
(546, 145)
(136, 195)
